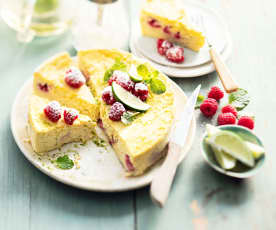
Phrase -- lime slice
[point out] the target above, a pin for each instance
(134, 76)
(128, 99)
(233, 145)
(225, 160)
(211, 130)
(44, 6)
(257, 150)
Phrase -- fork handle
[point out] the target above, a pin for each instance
(223, 71)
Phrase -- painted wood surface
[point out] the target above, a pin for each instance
(200, 198)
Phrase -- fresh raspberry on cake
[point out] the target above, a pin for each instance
(226, 119)
(175, 54)
(246, 121)
(141, 90)
(43, 87)
(107, 96)
(74, 78)
(216, 93)
(229, 109)
(163, 46)
(53, 111)
(116, 111)
(123, 79)
(209, 107)
(70, 115)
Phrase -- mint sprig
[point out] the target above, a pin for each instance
(157, 86)
(64, 162)
(199, 101)
(239, 99)
(129, 117)
(118, 65)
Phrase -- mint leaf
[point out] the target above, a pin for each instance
(143, 71)
(199, 100)
(239, 99)
(157, 86)
(108, 74)
(65, 162)
(118, 65)
(128, 117)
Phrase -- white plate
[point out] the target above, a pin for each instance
(193, 70)
(217, 35)
(99, 169)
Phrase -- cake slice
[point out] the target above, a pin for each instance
(167, 20)
(47, 135)
(139, 144)
(59, 79)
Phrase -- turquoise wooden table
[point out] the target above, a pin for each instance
(201, 198)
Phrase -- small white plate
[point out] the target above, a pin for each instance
(195, 64)
(99, 169)
(217, 35)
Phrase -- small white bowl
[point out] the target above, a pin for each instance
(240, 170)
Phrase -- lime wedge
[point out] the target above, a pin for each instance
(225, 160)
(211, 130)
(233, 145)
(128, 99)
(134, 76)
(44, 6)
(256, 150)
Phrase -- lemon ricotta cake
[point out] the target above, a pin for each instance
(131, 101)
(136, 105)
(52, 125)
(167, 20)
(60, 78)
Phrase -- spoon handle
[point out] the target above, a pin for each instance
(161, 184)
(223, 71)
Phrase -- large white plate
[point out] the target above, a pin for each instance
(217, 35)
(194, 69)
(99, 169)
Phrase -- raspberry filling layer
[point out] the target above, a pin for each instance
(129, 165)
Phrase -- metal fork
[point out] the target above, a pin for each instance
(229, 84)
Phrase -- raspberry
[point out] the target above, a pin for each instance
(154, 23)
(107, 96)
(122, 78)
(246, 121)
(216, 93)
(177, 35)
(129, 165)
(74, 78)
(226, 119)
(116, 111)
(53, 111)
(70, 115)
(229, 109)
(43, 87)
(141, 90)
(167, 30)
(163, 46)
(175, 54)
(209, 107)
